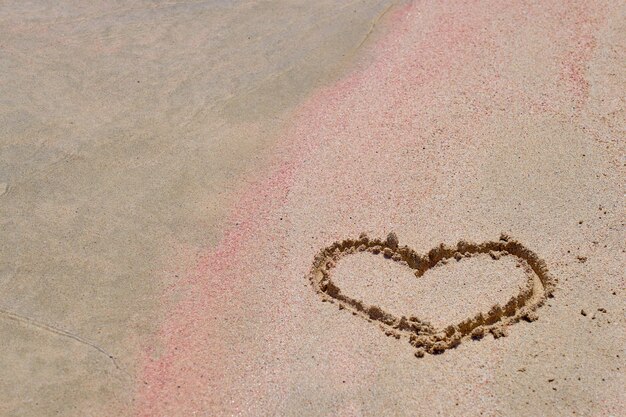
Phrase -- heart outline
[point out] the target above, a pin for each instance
(539, 286)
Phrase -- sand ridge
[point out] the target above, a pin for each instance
(425, 337)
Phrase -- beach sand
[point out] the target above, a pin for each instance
(170, 173)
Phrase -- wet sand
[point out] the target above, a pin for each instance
(168, 219)
(126, 131)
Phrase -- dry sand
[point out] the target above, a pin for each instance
(169, 172)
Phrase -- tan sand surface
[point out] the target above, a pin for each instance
(172, 172)
(125, 127)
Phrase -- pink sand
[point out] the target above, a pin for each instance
(457, 124)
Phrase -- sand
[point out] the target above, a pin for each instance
(535, 285)
(447, 294)
(169, 172)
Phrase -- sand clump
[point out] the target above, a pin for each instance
(422, 334)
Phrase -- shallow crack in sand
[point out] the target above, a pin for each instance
(62, 333)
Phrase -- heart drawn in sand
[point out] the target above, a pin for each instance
(421, 334)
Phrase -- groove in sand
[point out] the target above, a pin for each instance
(421, 334)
